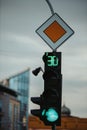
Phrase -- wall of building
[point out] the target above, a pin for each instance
(10, 110)
(5, 108)
(14, 114)
(67, 123)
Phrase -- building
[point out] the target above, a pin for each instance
(20, 83)
(9, 109)
(68, 122)
(15, 109)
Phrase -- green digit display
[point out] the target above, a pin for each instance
(52, 61)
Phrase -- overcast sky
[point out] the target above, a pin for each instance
(21, 47)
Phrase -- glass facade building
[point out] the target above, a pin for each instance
(20, 83)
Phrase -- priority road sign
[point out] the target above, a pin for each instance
(54, 31)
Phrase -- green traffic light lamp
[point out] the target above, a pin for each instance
(51, 114)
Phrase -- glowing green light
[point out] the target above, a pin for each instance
(51, 114)
(52, 61)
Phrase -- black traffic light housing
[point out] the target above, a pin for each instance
(52, 87)
(50, 100)
(36, 100)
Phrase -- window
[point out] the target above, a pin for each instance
(0, 105)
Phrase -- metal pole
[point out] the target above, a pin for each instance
(54, 127)
(50, 6)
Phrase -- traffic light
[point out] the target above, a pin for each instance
(50, 100)
(51, 110)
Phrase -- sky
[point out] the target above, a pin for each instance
(21, 47)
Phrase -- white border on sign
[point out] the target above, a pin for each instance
(55, 17)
